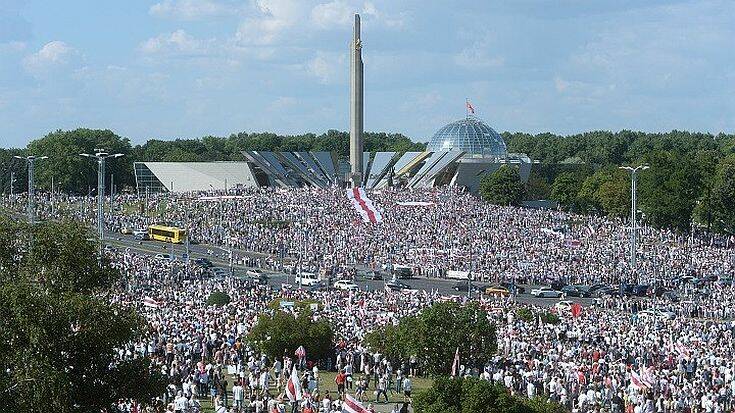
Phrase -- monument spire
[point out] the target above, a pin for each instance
(356, 106)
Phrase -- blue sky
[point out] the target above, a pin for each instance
(187, 68)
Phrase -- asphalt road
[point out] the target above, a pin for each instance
(220, 258)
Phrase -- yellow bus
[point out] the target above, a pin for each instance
(166, 234)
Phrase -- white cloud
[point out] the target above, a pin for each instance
(52, 54)
(177, 42)
(476, 56)
(326, 67)
(272, 18)
(190, 9)
(336, 12)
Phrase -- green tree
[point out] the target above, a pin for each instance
(435, 334)
(669, 190)
(607, 191)
(723, 196)
(473, 395)
(282, 333)
(502, 187)
(58, 333)
(218, 298)
(565, 188)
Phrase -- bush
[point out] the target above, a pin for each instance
(550, 318)
(218, 298)
(524, 314)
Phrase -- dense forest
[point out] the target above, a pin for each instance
(691, 178)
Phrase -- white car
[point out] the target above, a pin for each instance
(545, 292)
(657, 314)
(306, 279)
(346, 285)
(166, 257)
(255, 273)
(564, 305)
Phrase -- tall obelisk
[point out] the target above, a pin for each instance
(356, 105)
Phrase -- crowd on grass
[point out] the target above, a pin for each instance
(620, 354)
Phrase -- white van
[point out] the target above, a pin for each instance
(306, 278)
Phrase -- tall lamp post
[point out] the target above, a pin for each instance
(633, 206)
(30, 161)
(100, 156)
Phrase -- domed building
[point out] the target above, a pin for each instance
(470, 135)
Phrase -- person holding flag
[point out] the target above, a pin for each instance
(294, 392)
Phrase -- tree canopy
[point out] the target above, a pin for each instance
(434, 335)
(58, 334)
(502, 187)
(282, 332)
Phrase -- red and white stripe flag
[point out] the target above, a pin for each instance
(350, 405)
(300, 352)
(293, 387)
(151, 303)
(364, 205)
(455, 363)
(636, 380)
(470, 108)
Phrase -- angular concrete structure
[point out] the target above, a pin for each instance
(356, 106)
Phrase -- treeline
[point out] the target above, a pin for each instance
(73, 173)
(691, 176)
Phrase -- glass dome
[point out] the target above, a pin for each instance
(470, 135)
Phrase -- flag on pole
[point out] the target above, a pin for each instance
(350, 405)
(300, 352)
(364, 205)
(576, 310)
(636, 380)
(293, 387)
(455, 363)
(470, 108)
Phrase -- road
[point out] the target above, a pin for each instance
(220, 258)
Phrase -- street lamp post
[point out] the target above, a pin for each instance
(100, 156)
(633, 205)
(30, 161)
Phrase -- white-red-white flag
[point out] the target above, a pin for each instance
(470, 108)
(300, 352)
(636, 380)
(364, 205)
(293, 387)
(350, 405)
(151, 302)
(455, 363)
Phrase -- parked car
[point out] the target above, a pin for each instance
(346, 285)
(203, 262)
(658, 314)
(510, 286)
(306, 278)
(402, 271)
(563, 305)
(571, 291)
(497, 291)
(461, 286)
(166, 257)
(254, 272)
(126, 231)
(370, 275)
(395, 285)
(546, 292)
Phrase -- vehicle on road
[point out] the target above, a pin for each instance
(372, 275)
(126, 231)
(306, 278)
(166, 257)
(563, 305)
(254, 272)
(166, 234)
(141, 237)
(511, 286)
(219, 272)
(571, 291)
(403, 271)
(497, 291)
(396, 285)
(203, 262)
(461, 286)
(346, 285)
(546, 292)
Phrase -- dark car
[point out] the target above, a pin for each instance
(570, 291)
(395, 285)
(511, 286)
(605, 291)
(640, 290)
(557, 285)
(461, 286)
(372, 275)
(203, 262)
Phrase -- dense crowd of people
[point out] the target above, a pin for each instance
(613, 357)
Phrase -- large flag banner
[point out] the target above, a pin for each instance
(364, 205)
(351, 405)
(293, 387)
(151, 303)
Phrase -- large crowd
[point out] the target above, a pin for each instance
(613, 357)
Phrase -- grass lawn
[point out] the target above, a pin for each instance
(326, 383)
